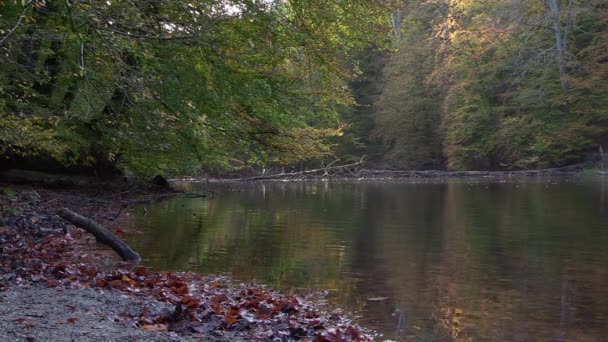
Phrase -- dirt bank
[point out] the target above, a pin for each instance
(42, 313)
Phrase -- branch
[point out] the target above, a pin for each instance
(101, 234)
(290, 175)
(18, 22)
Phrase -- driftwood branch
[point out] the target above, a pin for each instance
(324, 171)
(102, 234)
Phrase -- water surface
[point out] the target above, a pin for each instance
(462, 260)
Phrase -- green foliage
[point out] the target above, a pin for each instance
(408, 111)
(171, 87)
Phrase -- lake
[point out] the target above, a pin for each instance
(522, 259)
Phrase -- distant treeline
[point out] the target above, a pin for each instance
(497, 84)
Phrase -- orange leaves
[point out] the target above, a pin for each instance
(191, 302)
(230, 319)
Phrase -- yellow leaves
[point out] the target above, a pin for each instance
(452, 321)
(299, 144)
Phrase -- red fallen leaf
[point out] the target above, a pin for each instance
(219, 298)
(51, 282)
(120, 232)
(216, 308)
(100, 282)
(162, 319)
(193, 304)
(230, 319)
(264, 311)
(253, 303)
(254, 291)
(72, 320)
(215, 284)
(354, 333)
(234, 311)
(116, 283)
(141, 271)
(186, 299)
(183, 289)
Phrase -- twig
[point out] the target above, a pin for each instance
(120, 193)
(18, 22)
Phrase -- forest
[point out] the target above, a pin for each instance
(176, 88)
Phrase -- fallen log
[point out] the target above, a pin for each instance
(325, 171)
(101, 234)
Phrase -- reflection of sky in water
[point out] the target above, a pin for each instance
(516, 260)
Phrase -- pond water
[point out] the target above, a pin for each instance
(457, 260)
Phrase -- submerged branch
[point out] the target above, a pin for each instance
(101, 234)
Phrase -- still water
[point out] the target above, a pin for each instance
(457, 260)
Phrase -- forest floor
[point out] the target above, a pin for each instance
(58, 284)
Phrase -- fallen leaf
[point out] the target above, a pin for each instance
(230, 319)
(72, 320)
(155, 327)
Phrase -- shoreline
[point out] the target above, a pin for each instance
(354, 171)
(48, 264)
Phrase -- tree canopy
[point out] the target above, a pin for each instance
(172, 86)
(496, 84)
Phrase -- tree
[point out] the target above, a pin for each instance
(172, 86)
(511, 84)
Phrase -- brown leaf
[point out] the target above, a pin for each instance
(219, 298)
(155, 327)
(116, 283)
(216, 308)
(193, 304)
(264, 311)
(230, 319)
(354, 333)
(141, 271)
(72, 320)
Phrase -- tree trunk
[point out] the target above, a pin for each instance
(561, 39)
